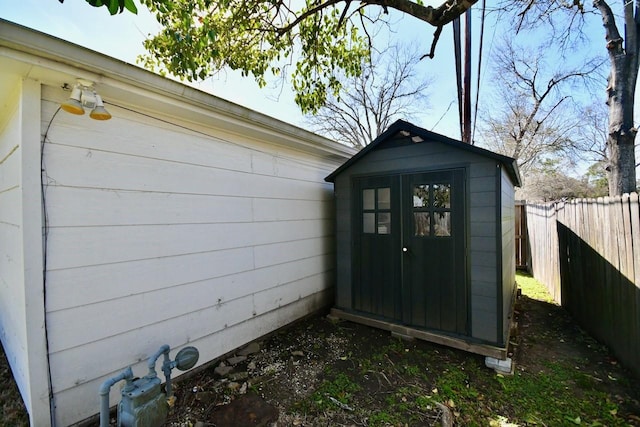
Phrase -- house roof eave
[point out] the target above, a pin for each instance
(44, 54)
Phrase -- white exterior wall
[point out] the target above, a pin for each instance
(164, 231)
(21, 298)
(12, 307)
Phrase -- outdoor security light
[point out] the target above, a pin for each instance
(84, 96)
(73, 105)
(99, 112)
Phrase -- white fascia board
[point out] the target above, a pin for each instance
(55, 61)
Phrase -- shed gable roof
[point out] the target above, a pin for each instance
(404, 133)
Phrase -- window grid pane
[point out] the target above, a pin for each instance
(421, 196)
(442, 196)
(369, 223)
(369, 199)
(432, 210)
(422, 224)
(442, 224)
(384, 198)
(376, 210)
(384, 223)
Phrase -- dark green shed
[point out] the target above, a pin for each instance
(425, 239)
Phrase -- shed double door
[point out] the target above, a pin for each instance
(409, 249)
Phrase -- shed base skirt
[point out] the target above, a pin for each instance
(496, 352)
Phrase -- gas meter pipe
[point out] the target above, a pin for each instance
(127, 374)
(166, 367)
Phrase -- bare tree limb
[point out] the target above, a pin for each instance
(434, 42)
(388, 89)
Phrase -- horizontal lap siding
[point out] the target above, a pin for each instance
(482, 211)
(230, 337)
(160, 234)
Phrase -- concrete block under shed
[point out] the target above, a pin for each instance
(501, 366)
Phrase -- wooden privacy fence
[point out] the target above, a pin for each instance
(587, 253)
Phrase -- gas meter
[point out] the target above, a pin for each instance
(143, 404)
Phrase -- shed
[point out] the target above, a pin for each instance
(183, 220)
(425, 239)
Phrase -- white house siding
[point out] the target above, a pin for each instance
(21, 299)
(165, 231)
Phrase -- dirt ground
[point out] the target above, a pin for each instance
(324, 373)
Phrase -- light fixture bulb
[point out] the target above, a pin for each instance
(73, 104)
(99, 112)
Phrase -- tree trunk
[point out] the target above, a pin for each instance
(623, 56)
(622, 133)
(622, 176)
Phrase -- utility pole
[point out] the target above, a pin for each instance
(463, 79)
(466, 87)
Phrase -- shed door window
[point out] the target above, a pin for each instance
(432, 210)
(376, 210)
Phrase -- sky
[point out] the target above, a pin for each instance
(121, 37)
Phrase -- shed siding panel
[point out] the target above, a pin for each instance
(163, 234)
(422, 156)
(484, 251)
(482, 212)
(484, 324)
(483, 229)
(483, 198)
(344, 240)
(483, 184)
(508, 236)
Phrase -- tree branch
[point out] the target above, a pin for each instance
(309, 12)
(436, 37)
(344, 13)
(438, 16)
(614, 41)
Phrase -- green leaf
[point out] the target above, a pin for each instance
(113, 6)
(131, 6)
